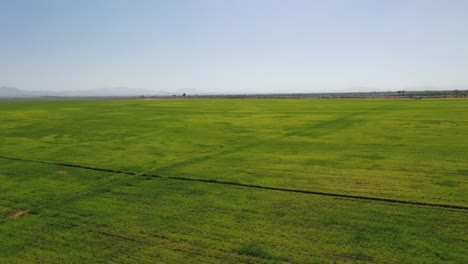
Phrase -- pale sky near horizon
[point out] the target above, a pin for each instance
(249, 46)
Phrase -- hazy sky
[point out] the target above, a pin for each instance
(234, 46)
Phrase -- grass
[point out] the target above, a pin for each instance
(397, 149)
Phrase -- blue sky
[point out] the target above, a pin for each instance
(234, 46)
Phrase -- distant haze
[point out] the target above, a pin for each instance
(238, 46)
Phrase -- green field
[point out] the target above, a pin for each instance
(237, 152)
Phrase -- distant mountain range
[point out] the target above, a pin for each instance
(10, 92)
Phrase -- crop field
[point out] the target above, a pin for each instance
(234, 180)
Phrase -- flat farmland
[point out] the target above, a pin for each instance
(234, 180)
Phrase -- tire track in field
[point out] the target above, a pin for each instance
(336, 124)
(203, 157)
(344, 121)
(238, 148)
(253, 186)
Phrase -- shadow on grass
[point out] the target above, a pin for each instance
(255, 250)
